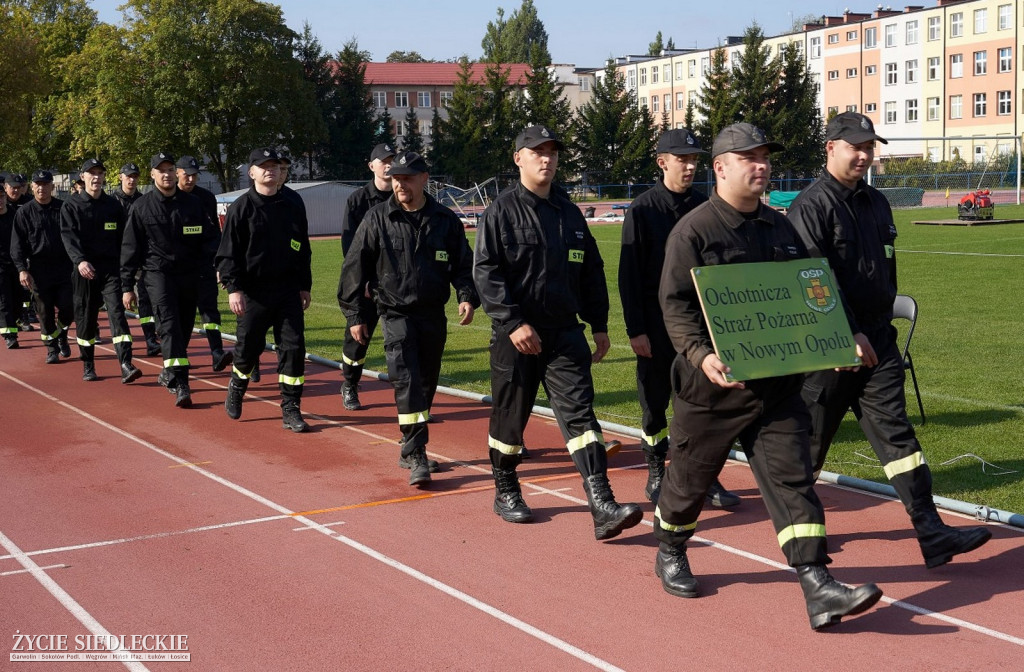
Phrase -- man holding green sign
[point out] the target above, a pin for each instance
(711, 410)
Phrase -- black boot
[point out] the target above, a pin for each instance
(610, 517)
(166, 379)
(655, 457)
(63, 345)
(719, 497)
(828, 600)
(419, 470)
(508, 497)
(183, 395)
(291, 417)
(89, 371)
(11, 340)
(236, 394)
(350, 396)
(222, 359)
(129, 373)
(52, 352)
(940, 542)
(673, 568)
(407, 462)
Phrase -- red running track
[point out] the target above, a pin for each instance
(122, 515)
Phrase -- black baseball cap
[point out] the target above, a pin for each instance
(679, 141)
(853, 127)
(89, 164)
(261, 155)
(17, 179)
(162, 157)
(382, 151)
(188, 164)
(42, 177)
(129, 169)
(741, 137)
(535, 136)
(285, 159)
(409, 163)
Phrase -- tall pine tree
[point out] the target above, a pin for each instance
(716, 104)
(413, 138)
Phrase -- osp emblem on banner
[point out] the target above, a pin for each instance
(818, 295)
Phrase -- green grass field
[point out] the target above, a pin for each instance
(967, 352)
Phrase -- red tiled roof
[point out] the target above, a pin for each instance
(435, 74)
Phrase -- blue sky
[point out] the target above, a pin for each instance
(583, 33)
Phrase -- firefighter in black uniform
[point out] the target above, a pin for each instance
(16, 192)
(209, 312)
(649, 219)
(127, 194)
(377, 190)
(43, 264)
(10, 288)
(842, 218)
(171, 239)
(767, 416)
(92, 226)
(536, 268)
(409, 250)
(264, 262)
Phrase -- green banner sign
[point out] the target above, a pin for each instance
(775, 318)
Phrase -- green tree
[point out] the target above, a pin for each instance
(405, 57)
(310, 143)
(413, 138)
(27, 81)
(754, 82)
(458, 141)
(544, 103)
(382, 130)
(688, 118)
(511, 40)
(797, 119)
(655, 48)
(716, 104)
(352, 128)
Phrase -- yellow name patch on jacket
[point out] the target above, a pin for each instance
(296, 245)
(441, 255)
(190, 230)
(110, 226)
(576, 256)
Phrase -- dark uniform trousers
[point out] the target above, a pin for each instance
(144, 304)
(174, 307)
(89, 295)
(353, 353)
(209, 311)
(413, 346)
(654, 386)
(280, 310)
(563, 366)
(10, 302)
(878, 401)
(772, 424)
(54, 306)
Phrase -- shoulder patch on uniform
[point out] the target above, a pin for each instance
(296, 245)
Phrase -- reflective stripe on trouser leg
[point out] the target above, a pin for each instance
(413, 346)
(504, 448)
(353, 353)
(146, 320)
(654, 440)
(801, 531)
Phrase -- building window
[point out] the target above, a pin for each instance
(654, 75)
(655, 104)
(890, 112)
(815, 47)
(833, 38)
(980, 21)
(911, 111)
(933, 109)
(833, 111)
(870, 38)
(1006, 59)
(933, 68)
(446, 96)
(870, 70)
(980, 62)
(956, 66)
(691, 67)
(870, 107)
(400, 127)
(890, 74)
(584, 84)
(833, 74)
(380, 99)
(679, 70)
(423, 99)
(426, 127)
(666, 73)
(643, 76)
(851, 108)
(851, 35)
(980, 104)
(705, 66)
(912, 32)
(956, 107)
(934, 28)
(1005, 16)
(912, 71)
(680, 101)
(979, 153)
(851, 73)
(691, 98)
(666, 102)
(643, 101)
(401, 99)
(956, 24)
(890, 35)
(1005, 106)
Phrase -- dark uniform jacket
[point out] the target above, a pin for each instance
(410, 269)
(265, 245)
(209, 203)
(6, 228)
(357, 205)
(650, 218)
(716, 233)
(125, 200)
(36, 245)
(854, 230)
(537, 263)
(92, 230)
(167, 234)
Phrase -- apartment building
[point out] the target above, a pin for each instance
(920, 73)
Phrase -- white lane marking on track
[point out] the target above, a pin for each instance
(306, 529)
(24, 571)
(61, 595)
(465, 598)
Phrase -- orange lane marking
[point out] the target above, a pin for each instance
(431, 495)
(189, 464)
